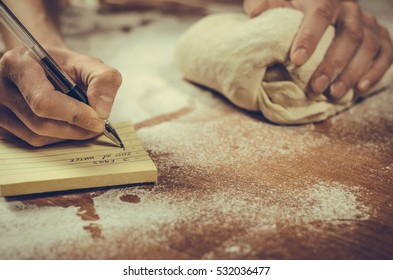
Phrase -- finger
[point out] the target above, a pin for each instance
(43, 100)
(361, 62)
(102, 90)
(349, 37)
(254, 8)
(382, 63)
(12, 124)
(318, 15)
(102, 81)
(48, 127)
(39, 125)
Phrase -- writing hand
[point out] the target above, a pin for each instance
(34, 111)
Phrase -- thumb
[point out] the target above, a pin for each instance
(102, 81)
(102, 91)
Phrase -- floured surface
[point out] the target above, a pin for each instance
(230, 186)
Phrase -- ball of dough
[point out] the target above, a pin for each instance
(247, 60)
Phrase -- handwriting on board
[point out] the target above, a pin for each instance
(74, 164)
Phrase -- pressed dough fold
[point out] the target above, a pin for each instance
(247, 60)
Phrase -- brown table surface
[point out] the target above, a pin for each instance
(231, 185)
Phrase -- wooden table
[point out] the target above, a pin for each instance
(231, 185)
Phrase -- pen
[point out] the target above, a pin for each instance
(59, 79)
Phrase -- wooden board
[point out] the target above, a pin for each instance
(73, 165)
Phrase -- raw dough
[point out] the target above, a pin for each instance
(247, 61)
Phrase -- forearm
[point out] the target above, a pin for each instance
(33, 14)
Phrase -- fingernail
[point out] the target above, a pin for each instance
(321, 83)
(364, 85)
(338, 89)
(104, 106)
(254, 13)
(254, 8)
(300, 56)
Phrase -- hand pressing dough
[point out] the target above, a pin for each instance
(247, 60)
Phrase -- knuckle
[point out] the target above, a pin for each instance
(7, 60)
(114, 76)
(371, 42)
(384, 32)
(12, 61)
(37, 141)
(370, 19)
(372, 46)
(351, 77)
(355, 32)
(355, 7)
(40, 126)
(33, 138)
(39, 104)
(325, 10)
(12, 56)
(77, 118)
(334, 67)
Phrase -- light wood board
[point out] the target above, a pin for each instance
(74, 164)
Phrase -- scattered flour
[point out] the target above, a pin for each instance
(226, 179)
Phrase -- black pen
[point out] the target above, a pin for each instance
(59, 79)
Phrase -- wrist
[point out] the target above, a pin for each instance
(42, 29)
(46, 33)
(37, 19)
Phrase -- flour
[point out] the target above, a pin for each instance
(19, 233)
(160, 213)
(229, 184)
(233, 135)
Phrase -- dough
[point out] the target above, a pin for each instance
(247, 60)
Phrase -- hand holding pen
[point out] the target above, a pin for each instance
(34, 111)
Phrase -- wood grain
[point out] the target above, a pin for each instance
(230, 186)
